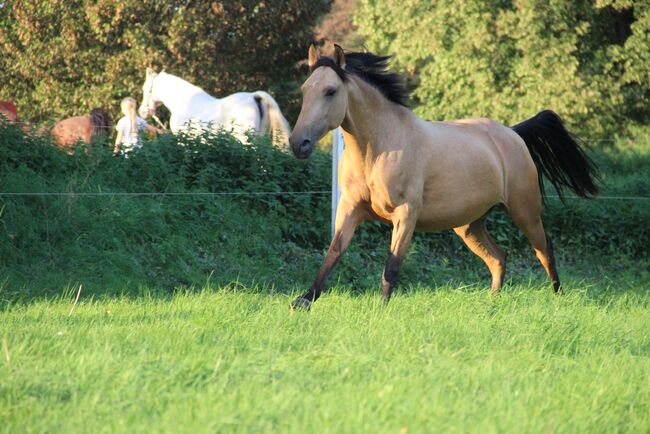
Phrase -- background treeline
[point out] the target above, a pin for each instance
(588, 60)
(60, 58)
(505, 59)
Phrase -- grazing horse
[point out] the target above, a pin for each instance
(420, 175)
(8, 110)
(193, 108)
(71, 130)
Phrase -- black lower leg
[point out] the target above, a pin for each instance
(316, 288)
(555, 279)
(389, 278)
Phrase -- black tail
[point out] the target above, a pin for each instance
(101, 122)
(557, 155)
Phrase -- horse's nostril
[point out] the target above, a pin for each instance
(305, 145)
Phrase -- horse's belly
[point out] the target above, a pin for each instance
(446, 211)
(448, 219)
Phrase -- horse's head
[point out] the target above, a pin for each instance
(149, 99)
(324, 98)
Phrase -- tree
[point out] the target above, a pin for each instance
(508, 59)
(63, 57)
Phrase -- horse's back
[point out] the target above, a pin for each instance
(520, 176)
(69, 131)
(238, 109)
(495, 142)
(472, 165)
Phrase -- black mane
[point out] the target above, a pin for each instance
(372, 69)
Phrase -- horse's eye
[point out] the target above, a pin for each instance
(330, 92)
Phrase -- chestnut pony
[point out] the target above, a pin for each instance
(419, 175)
(8, 110)
(71, 130)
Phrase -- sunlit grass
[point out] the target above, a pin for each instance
(444, 359)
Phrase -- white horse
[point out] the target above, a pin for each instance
(192, 108)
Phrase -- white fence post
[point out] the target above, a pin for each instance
(337, 152)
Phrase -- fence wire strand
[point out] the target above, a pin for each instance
(263, 193)
(247, 193)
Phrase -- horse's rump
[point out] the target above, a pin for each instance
(69, 131)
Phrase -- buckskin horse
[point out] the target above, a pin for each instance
(420, 175)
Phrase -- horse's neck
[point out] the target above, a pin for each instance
(370, 121)
(179, 95)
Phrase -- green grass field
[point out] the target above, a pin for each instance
(232, 359)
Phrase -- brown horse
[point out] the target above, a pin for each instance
(8, 110)
(429, 176)
(69, 131)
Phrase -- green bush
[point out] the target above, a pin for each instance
(118, 243)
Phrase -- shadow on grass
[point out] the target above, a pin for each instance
(463, 273)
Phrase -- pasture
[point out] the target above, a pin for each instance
(444, 358)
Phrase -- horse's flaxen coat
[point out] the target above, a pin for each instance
(412, 173)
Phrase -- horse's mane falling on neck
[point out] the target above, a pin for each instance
(101, 122)
(373, 69)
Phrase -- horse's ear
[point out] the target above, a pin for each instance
(329, 49)
(339, 56)
(333, 51)
(313, 55)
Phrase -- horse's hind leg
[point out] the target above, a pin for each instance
(528, 219)
(479, 241)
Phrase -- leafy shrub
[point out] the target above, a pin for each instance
(116, 243)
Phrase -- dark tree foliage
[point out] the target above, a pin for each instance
(63, 57)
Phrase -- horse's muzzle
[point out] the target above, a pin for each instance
(301, 147)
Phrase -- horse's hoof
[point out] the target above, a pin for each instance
(301, 303)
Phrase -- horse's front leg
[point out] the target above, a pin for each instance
(404, 219)
(348, 217)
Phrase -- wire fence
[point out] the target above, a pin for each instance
(274, 193)
(188, 193)
(48, 125)
(250, 193)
